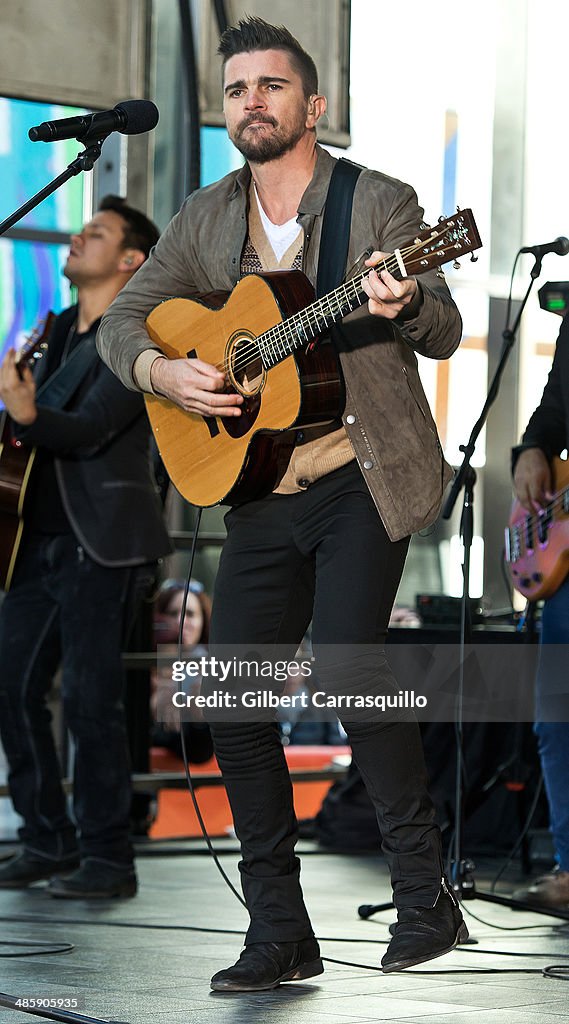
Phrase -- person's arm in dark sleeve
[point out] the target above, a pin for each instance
(547, 428)
(106, 410)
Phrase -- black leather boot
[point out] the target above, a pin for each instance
(22, 869)
(95, 880)
(423, 933)
(264, 965)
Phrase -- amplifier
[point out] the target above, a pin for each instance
(440, 608)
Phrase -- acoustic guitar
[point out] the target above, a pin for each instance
(16, 463)
(537, 543)
(262, 336)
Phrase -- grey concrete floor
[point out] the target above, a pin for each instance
(146, 975)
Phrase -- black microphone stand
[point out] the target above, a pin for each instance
(83, 162)
(461, 868)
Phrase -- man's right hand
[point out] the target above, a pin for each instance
(195, 386)
(532, 480)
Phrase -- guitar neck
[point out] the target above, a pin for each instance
(299, 330)
(452, 237)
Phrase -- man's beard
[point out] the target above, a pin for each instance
(260, 148)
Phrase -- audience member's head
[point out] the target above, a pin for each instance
(168, 608)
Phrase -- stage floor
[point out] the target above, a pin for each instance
(158, 968)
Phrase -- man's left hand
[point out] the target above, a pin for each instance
(18, 392)
(387, 296)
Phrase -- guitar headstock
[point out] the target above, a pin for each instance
(450, 238)
(34, 346)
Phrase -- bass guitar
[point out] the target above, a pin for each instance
(537, 543)
(262, 337)
(16, 463)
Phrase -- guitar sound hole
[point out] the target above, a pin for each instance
(245, 366)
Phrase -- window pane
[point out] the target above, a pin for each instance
(26, 167)
(31, 283)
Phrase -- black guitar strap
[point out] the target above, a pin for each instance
(62, 385)
(336, 226)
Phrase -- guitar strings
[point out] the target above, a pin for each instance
(310, 318)
(531, 521)
(311, 315)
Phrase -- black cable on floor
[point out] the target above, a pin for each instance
(504, 927)
(36, 948)
(144, 926)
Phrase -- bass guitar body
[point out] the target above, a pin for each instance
(537, 543)
(232, 459)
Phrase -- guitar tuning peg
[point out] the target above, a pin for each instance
(423, 226)
(456, 265)
(473, 258)
(441, 219)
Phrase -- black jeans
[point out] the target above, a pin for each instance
(65, 609)
(322, 554)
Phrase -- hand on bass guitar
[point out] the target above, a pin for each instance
(532, 480)
(537, 536)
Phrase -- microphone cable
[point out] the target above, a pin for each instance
(185, 758)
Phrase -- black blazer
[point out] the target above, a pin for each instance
(101, 444)
(548, 427)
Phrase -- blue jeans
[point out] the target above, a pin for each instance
(64, 609)
(552, 717)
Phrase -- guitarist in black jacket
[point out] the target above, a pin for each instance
(93, 530)
(546, 435)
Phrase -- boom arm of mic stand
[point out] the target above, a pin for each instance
(83, 162)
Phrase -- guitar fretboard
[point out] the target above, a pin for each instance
(299, 330)
(430, 248)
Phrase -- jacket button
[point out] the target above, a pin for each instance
(299, 436)
(368, 464)
(351, 418)
(303, 482)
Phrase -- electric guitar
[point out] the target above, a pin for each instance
(537, 543)
(262, 336)
(16, 463)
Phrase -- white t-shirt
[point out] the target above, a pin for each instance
(281, 236)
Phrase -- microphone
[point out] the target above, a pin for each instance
(559, 245)
(131, 117)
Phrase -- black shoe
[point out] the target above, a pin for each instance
(22, 869)
(423, 933)
(95, 880)
(263, 965)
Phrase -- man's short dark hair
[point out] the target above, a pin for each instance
(139, 231)
(255, 34)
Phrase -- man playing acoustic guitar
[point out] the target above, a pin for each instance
(546, 436)
(347, 499)
(83, 565)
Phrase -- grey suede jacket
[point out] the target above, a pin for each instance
(386, 414)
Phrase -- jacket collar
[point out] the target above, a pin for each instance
(314, 197)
